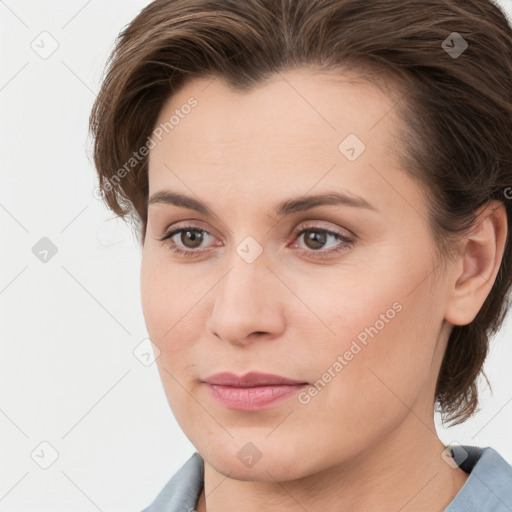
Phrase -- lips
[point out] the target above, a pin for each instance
(251, 379)
(251, 392)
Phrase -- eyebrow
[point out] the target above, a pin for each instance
(286, 207)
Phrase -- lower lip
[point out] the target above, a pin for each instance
(252, 399)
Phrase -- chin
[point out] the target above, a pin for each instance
(244, 461)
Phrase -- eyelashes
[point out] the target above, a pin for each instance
(344, 242)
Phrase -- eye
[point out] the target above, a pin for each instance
(190, 237)
(187, 240)
(315, 238)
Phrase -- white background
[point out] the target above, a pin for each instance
(68, 375)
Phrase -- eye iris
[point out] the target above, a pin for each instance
(194, 236)
(317, 239)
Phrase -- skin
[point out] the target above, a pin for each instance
(367, 440)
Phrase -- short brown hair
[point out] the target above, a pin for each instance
(457, 109)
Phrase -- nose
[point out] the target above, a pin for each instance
(247, 303)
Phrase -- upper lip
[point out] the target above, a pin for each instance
(250, 379)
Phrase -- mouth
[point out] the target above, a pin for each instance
(252, 392)
(251, 379)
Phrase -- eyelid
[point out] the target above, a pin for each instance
(195, 224)
(192, 224)
(313, 224)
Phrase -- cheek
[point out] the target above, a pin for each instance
(171, 309)
(151, 286)
(378, 354)
(377, 367)
(167, 301)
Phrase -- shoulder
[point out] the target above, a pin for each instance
(182, 491)
(489, 485)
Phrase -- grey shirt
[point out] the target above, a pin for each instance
(487, 489)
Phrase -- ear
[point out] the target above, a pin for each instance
(473, 274)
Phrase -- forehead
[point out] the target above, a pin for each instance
(296, 126)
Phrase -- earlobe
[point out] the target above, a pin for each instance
(474, 273)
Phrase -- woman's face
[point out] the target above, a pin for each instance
(356, 309)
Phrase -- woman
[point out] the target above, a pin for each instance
(320, 189)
